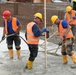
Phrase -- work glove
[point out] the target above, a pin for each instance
(64, 37)
(60, 43)
(44, 30)
(74, 17)
(3, 37)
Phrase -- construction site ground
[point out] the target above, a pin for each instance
(45, 63)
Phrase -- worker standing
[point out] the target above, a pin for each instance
(70, 17)
(11, 26)
(69, 14)
(74, 5)
(66, 36)
(33, 33)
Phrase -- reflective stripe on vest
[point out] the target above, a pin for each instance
(68, 15)
(6, 31)
(14, 25)
(31, 39)
(62, 32)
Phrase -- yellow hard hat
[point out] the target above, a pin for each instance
(39, 15)
(68, 8)
(54, 18)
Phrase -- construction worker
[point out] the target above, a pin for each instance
(74, 5)
(33, 33)
(70, 17)
(66, 36)
(70, 13)
(11, 26)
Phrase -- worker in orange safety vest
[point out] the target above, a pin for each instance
(66, 36)
(11, 26)
(71, 18)
(33, 33)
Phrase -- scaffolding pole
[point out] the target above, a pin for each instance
(45, 33)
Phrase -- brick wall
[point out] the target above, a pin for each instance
(25, 11)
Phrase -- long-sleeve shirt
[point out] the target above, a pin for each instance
(36, 31)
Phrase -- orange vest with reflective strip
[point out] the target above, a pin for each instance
(14, 25)
(68, 15)
(72, 22)
(31, 39)
(62, 32)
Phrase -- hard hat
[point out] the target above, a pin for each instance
(6, 14)
(54, 18)
(39, 15)
(68, 8)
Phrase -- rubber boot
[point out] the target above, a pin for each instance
(11, 53)
(29, 64)
(73, 58)
(65, 59)
(18, 53)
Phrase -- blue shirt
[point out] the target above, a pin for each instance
(64, 23)
(9, 26)
(36, 31)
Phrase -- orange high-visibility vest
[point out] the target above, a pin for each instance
(62, 32)
(31, 39)
(14, 25)
(68, 15)
(72, 22)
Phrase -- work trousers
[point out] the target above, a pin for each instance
(16, 41)
(73, 28)
(74, 6)
(67, 47)
(33, 52)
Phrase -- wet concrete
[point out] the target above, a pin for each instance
(54, 64)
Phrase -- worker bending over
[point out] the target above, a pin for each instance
(66, 36)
